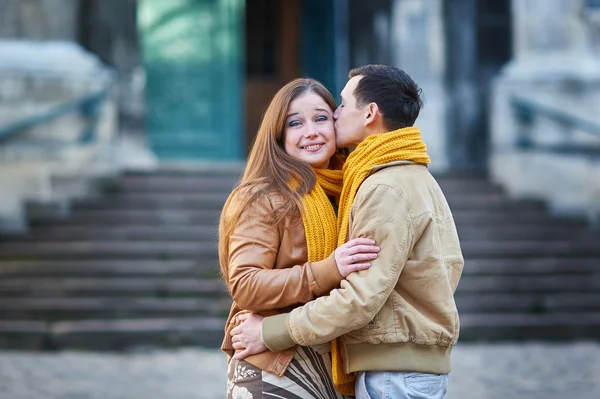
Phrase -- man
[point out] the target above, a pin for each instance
(397, 321)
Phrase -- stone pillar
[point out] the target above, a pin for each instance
(39, 19)
(553, 61)
(555, 65)
(418, 49)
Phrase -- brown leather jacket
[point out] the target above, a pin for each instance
(266, 271)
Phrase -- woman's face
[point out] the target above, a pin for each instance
(309, 134)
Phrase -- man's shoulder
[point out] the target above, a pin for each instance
(397, 176)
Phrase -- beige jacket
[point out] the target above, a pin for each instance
(266, 271)
(399, 314)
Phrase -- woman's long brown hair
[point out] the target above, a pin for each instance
(270, 169)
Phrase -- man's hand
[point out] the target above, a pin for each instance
(248, 335)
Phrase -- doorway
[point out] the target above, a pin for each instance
(478, 44)
(272, 55)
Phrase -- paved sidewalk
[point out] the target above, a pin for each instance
(480, 371)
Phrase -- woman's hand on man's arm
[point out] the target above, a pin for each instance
(355, 255)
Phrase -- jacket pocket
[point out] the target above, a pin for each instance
(375, 323)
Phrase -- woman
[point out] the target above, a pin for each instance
(277, 239)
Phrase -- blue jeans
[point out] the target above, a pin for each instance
(400, 385)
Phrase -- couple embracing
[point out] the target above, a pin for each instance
(342, 266)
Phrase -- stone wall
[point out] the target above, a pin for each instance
(49, 162)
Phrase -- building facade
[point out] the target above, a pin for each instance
(196, 75)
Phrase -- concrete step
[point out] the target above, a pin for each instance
(528, 249)
(113, 335)
(173, 200)
(209, 233)
(187, 233)
(210, 217)
(216, 181)
(532, 266)
(500, 217)
(170, 250)
(124, 217)
(55, 309)
(108, 250)
(460, 201)
(156, 201)
(188, 268)
(182, 184)
(558, 231)
(584, 283)
(519, 326)
(530, 303)
(159, 287)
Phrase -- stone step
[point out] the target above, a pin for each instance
(528, 249)
(108, 250)
(210, 217)
(519, 327)
(110, 268)
(559, 231)
(491, 201)
(499, 217)
(182, 184)
(167, 250)
(535, 303)
(167, 201)
(114, 335)
(173, 200)
(588, 283)
(140, 232)
(127, 217)
(55, 309)
(159, 287)
(532, 266)
(164, 287)
(210, 269)
(110, 233)
(226, 182)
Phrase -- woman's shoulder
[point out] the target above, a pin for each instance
(260, 196)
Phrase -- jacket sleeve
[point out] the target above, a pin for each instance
(381, 213)
(252, 280)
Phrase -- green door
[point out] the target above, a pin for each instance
(194, 64)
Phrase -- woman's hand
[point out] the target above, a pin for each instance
(355, 255)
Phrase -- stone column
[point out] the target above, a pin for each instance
(553, 61)
(418, 49)
(39, 19)
(554, 65)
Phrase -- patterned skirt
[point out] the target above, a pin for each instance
(307, 377)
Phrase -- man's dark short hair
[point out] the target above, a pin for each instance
(395, 93)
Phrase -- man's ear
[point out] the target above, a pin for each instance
(372, 114)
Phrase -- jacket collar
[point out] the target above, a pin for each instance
(377, 168)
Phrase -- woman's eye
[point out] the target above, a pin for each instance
(322, 118)
(293, 123)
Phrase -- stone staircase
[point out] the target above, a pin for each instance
(139, 268)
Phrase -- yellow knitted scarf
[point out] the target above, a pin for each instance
(399, 145)
(318, 216)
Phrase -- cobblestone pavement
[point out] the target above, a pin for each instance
(480, 371)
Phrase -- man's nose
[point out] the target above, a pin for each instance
(336, 113)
